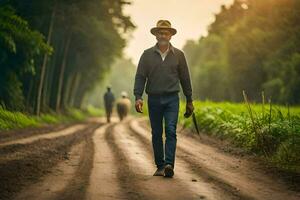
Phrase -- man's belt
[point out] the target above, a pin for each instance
(163, 94)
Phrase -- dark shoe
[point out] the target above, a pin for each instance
(159, 172)
(169, 172)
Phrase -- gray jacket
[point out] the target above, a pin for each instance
(162, 76)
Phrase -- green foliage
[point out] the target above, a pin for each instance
(20, 46)
(10, 120)
(287, 154)
(85, 38)
(93, 111)
(76, 114)
(272, 131)
(253, 46)
(49, 118)
(16, 120)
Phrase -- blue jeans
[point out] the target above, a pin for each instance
(164, 107)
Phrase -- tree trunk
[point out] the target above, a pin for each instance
(43, 68)
(44, 105)
(67, 92)
(75, 88)
(49, 92)
(28, 97)
(61, 75)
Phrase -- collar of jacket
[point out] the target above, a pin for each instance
(156, 48)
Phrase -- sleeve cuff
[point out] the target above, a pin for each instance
(138, 97)
(189, 98)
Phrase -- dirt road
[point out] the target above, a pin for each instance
(95, 160)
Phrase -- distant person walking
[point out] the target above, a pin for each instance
(123, 105)
(109, 100)
(163, 67)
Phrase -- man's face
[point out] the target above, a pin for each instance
(163, 36)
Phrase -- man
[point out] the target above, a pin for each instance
(109, 100)
(163, 67)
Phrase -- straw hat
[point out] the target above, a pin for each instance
(163, 24)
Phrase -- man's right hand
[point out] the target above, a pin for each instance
(189, 109)
(139, 105)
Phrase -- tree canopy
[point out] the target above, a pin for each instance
(252, 45)
(54, 52)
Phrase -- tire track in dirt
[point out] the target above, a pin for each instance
(254, 187)
(19, 133)
(57, 179)
(77, 187)
(33, 161)
(103, 183)
(51, 135)
(115, 161)
(141, 162)
(128, 180)
(222, 170)
(186, 171)
(18, 151)
(238, 173)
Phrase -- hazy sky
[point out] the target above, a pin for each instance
(189, 17)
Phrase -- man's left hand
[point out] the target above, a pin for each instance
(189, 109)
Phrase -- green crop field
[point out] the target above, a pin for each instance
(269, 130)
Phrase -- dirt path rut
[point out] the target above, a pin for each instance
(115, 161)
